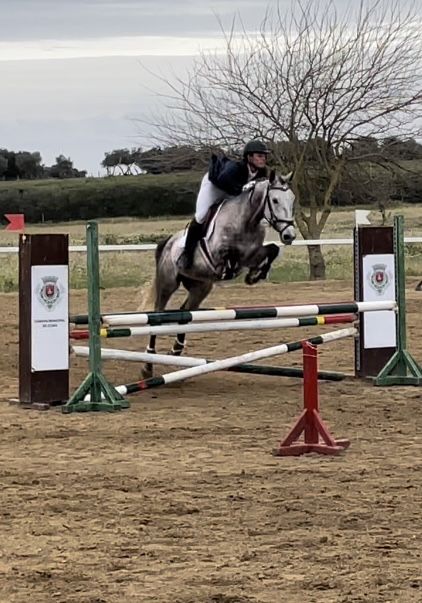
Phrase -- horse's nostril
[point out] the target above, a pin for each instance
(288, 238)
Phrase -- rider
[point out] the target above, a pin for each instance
(225, 178)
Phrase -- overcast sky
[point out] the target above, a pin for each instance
(70, 70)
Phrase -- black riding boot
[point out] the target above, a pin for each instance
(194, 234)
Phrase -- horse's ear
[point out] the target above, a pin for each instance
(272, 176)
(288, 178)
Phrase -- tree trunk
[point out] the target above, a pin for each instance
(316, 263)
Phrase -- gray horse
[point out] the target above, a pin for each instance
(234, 241)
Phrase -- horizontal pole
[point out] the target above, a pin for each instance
(240, 313)
(125, 318)
(219, 326)
(222, 314)
(221, 365)
(168, 359)
(152, 246)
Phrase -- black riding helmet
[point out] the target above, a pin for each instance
(255, 146)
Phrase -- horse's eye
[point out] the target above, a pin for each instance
(275, 202)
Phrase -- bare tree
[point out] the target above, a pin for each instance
(311, 82)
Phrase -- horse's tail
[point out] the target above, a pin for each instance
(149, 290)
(160, 248)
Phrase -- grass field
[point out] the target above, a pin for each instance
(122, 269)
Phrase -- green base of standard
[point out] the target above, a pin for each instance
(401, 369)
(102, 396)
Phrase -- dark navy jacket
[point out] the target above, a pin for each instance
(231, 176)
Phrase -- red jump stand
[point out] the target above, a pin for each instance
(310, 423)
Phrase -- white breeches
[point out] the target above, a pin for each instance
(208, 195)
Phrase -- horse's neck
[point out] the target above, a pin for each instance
(254, 209)
(244, 212)
(237, 226)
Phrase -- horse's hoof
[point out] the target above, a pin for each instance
(251, 280)
(227, 276)
(146, 373)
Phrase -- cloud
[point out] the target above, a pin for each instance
(73, 19)
(131, 46)
(81, 19)
(82, 107)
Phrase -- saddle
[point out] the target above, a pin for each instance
(229, 270)
(231, 266)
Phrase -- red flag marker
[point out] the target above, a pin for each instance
(17, 222)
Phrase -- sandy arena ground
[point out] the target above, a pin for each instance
(179, 500)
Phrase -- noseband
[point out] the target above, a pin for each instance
(273, 220)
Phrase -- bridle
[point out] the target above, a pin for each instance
(272, 219)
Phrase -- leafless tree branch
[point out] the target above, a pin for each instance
(310, 80)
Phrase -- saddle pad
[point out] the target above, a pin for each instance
(211, 225)
(179, 246)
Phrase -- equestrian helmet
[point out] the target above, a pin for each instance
(255, 146)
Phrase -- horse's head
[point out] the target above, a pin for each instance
(279, 207)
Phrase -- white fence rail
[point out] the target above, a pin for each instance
(151, 246)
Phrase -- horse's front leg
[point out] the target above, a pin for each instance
(261, 263)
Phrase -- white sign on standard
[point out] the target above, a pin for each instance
(50, 318)
(379, 285)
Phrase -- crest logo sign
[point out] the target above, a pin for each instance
(379, 278)
(50, 291)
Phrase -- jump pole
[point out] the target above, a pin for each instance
(186, 361)
(138, 318)
(224, 325)
(131, 318)
(220, 365)
(261, 312)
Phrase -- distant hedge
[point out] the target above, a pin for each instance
(91, 198)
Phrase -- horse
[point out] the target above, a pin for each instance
(234, 241)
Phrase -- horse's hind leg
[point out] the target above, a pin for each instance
(197, 292)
